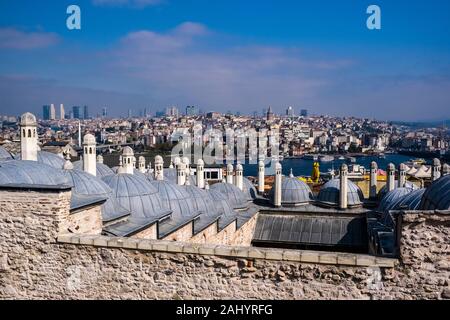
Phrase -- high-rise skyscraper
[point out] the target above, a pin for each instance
(62, 112)
(46, 112)
(104, 112)
(172, 112)
(304, 113)
(289, 112)
(76, 112)
(85, 112)
(191, 111)
(52, 112)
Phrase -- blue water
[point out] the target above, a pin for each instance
(302, 167)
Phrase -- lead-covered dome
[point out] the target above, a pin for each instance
(28, 119)
(4, 154)
(48, 158)
(392, 197)
(205, 205)
(102, 169)
(294, 192)
(437, 195)
(228, 215)
(408, 184)
(329, 193)
(236, 198)
(249, 189)
(175, 198)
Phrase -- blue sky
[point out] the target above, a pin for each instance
(228, 55)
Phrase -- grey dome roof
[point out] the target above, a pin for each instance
(249, 189)
(136, 194)
(5, 155)
(86, 184)
(136, 172)
(205, 205)
(392, 197)
(408, 184)
(236, 198)
(410, 201)
(293, 191)
(329, 193)
(48, 158)
(170, 174)
(31, 173)
(102, 169)
(437, 195)
(223, 208)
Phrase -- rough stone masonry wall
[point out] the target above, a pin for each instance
(33, 264)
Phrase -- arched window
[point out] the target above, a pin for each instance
(29, 133)
(23, 133)
(90, 150)
(34, 133)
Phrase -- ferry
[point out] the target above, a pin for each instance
(326, 158)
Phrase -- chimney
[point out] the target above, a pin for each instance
(89, 154)
(261, 173)
(390, 182)
(141, 164)
(230, 173)
(436, 169)
(373, 180)
(128, 160)
(343, 187)
(99, 158)
(200, 174)
(159, 168)
(402, 176)
(278, 176)
(181, 174)
(28, 137)
(239, 176)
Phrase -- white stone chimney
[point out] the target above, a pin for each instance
(390, 180)
(28, 137)
(278, 177)
(239, 176)
(99, 158)
(181, 174)
(128, 160)
(343, 187)
(141, 164)
(89, 154)
(373, 180)
(200, 174)
(230, 173)
(187, 166)
(159, 168)
(436, 169)
(445, 169)
(261, 174)
(401, 175)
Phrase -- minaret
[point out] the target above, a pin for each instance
(128, 160)
(181, 174)
(89, 154)
(141, 164)
(343, 187)
(230, 173)
(261, 173)
(159, 168)
(390, 182)
(28, 137)
(373, 180)
(239, 176)
(200, 174)
(99, 158)
(436, 169)
(277, 195)
(401, 175)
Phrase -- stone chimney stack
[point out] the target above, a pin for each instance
(200, 174)
(89, 154)
(436, 169)
(230, 173)
(187, 166)
(100, 159)
(343, 187)
(128, 160)
(261, 174)
(445, 169)
(239, 176)
(181, 174)
(390, 180)
(278, 177)
(28, 137)
(401, 175)
(141, 164)
(159, 168)
(373, 180)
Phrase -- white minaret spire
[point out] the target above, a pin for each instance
(401, 175)
(159, 168)
(141, 164)
(89, 154)
(230, 173)
(278, 176)
(261, 173)
(200, 174)
(373, 180)
(79, 133)
(128, 160)
(390, 182)
(239, 176)
(436, 169)
(343, 187)
(28, 137)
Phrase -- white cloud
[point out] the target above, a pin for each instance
(11, 38)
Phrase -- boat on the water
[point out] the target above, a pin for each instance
(326, 158)
(351, 159)
(313, 157)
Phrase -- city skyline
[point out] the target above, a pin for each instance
(225, 56)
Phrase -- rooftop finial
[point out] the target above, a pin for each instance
(291, 174)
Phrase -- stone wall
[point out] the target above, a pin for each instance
(84, 221)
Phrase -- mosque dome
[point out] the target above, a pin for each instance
(28, 173)
(102, 169)
(410, 201)
(437, 195)
(408, 184)
(293, 192)
(5, 155)
(48, 158)
(329, 193)
(249, 189)
(136, 194)
(170, 174)
(392, 197)
(236, 198)
(86, 184)
(201, 199)
(223, 208)
(28, 119)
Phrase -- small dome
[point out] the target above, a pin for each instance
(249, 189)
(21, 172)
(48, 158)
(201, 198)
(437, 195)
(293, 192)
(175, 198)
(5, 155)
(89, 139)
(127, 151)
(436, 162)
(141, 159)
(410, 201)
(222, 207)
(329, 193)
(236, 198)
(408, 184)
(136, 194)
(159, 159)
(28, 119)
(392, 197)
(200, 162)
(102, 169)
